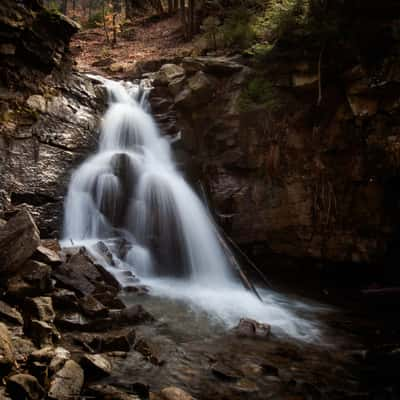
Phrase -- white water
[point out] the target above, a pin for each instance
(131, 189)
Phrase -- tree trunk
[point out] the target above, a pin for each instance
(175, 5)
(170, 7)
(64, 7)
(191, 25)
(104, 21)
(183, 18)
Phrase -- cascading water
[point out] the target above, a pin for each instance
(131, 196)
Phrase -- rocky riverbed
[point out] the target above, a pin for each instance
(68, 330)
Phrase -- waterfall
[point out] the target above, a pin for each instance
(131, 187)
(131, 196)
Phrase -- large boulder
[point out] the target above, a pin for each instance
(24, 386)
(174, 393)
(95, 366)
(7, 357)
(19, 239)
(67, 382)
(168, 73)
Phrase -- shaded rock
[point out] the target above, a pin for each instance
(95, 366)
(67, 383)
(104, 62)
(252, 328)
(40, 371)
(33, 279)
(47, 256)
(212, 65)
(108, 299)
(108, 392)
(40, 308)
(7, 357)
(65, 299)
(174, 393)
(36, 102)
(19, 238)
(10, 314)
(51, 244)
(38, 275)
(91, 307)
(304, 79)
(24, 386)
(149, 350)
(42, 333)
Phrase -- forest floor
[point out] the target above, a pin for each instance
(145, 39)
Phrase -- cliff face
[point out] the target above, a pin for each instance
(289, 174)
(48, 113)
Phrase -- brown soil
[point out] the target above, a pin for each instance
(144, 39)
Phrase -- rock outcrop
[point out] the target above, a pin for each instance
(287, 173)
(48, 113)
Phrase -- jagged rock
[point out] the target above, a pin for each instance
(251, 328)
(95, 366)
(134, 314)
(92, 307)
(108, 392)
(47, 256)
(176, 85)
(304, 79)
(33, 279)
(3, 394)
(24, 386)
(224, 372)
(19, 238)
(10, 314)
(363, 106)
(174, 393)
(67, 383)
(81, 275)
(109, 299)
(114, 340)
(42, 333)
(7, 357)
(168, 73)
(65, 299)
(149, 350)
(40, 308)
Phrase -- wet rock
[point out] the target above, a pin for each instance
(93, 308)
(149, 350)
(42, 333)
(81, 275)
(10, 314)
(7, 357)
(67, 383)
(19, 239)
(252, 328)
(114, 340)
(225, 373)
(109, 300)
(24, 386)
(95, 366)
(108, 392)
(304, 79)
(134, 314)
(174, 393)
(47, 256)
